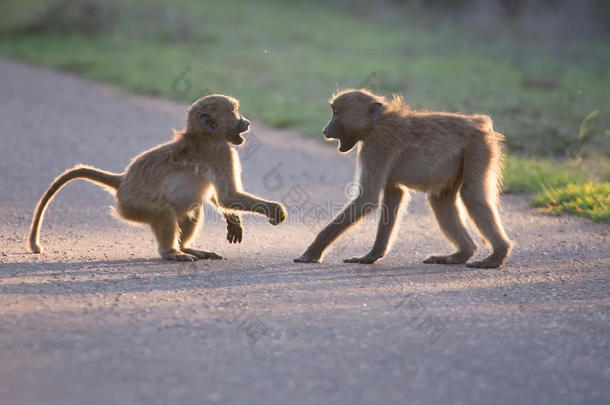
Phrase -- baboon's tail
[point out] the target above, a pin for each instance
(108, 179)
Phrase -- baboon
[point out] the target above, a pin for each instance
(165, 186)
(448, 156)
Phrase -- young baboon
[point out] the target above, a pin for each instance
(165, 186)
(448, 156)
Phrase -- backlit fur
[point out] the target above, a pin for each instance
(449, 156)
(165, 186)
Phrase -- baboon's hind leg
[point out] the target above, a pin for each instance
(485, 216)
(165, 228)
(188, 227)
(480, 196)
(448, 217)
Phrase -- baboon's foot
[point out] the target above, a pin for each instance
(366, 259)
(456, 258)
(491, 262)
(178, 256)
(202, 254)
(307, 258)
(494, 260)
(35, 247)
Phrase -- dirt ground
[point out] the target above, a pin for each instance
(100, 318)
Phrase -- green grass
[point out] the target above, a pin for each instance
(589, 200)
(534, 175)
(562, 187)
(284, 61)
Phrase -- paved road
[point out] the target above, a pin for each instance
(99, 318)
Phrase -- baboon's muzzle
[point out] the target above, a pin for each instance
(243, 125)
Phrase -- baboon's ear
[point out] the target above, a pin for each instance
(375, 111)
(208, 123)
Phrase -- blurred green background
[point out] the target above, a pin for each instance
(539, 67)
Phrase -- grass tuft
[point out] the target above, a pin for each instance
(590, 200)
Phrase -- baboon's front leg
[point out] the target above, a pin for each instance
(392, 199)
(369, 190)
(231, 196)
(240, 201)
(354, 211)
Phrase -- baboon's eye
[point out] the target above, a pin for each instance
(208, 122)
(335, 110)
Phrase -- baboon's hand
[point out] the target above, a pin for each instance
(277, 213)
(234, 232)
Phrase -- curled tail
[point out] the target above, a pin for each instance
(108, 179)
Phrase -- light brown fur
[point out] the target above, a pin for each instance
(448, 156)
(165, 186)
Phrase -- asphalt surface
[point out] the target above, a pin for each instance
(99, 318)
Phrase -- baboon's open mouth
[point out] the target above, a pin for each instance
(237, 139)
(345, 145)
